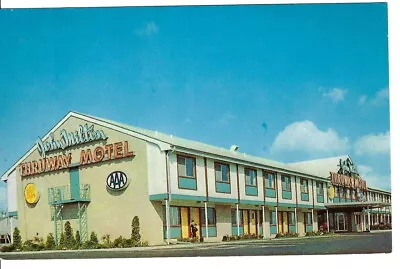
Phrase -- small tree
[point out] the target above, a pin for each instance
(78, 238)
(93, 239)
(69, 236)
(17, 241)
(135, 236)
(62, 241)
(50, 243)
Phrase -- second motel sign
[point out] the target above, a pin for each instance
(349, 182)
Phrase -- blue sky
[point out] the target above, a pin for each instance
(285, 82)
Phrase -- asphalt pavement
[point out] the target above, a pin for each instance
(343, 244)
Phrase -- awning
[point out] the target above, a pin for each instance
(357, 206)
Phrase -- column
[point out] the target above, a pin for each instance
(327, 219)
(168, 220)
(362, 220)
(295, 219)
(206, 216)
(237, 219)
(12, 229)
(312, 219)
(276, 218)
(263, 222)
(369, 220)
(355, 222)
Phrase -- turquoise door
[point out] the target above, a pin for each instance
(74, 182)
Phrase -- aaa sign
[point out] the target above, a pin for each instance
(31, 194)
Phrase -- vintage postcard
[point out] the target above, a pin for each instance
(186, 131)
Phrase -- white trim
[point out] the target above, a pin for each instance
(247, 163)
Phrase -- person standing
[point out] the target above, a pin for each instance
(193, 228)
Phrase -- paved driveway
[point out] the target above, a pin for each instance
(344, 244)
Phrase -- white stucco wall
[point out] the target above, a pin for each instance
(156, 170)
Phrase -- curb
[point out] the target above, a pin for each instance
(380, 231)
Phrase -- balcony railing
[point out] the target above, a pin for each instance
(64, 194)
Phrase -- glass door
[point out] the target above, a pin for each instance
(341, 222)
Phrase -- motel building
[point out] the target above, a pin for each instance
(98, 174)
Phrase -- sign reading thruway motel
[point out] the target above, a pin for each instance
(85, 134)
(99, 154)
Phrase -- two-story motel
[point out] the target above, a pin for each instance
(99, 174)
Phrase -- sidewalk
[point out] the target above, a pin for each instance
(172, 246)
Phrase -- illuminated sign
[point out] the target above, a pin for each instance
(31, 194)
(85, 134)
(349, 182)
(99, 154)
(331, 191)
(117, 180)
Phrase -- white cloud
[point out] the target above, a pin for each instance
(362, 99)
(373, 144)
(380, 97)
(150, 29)
(373, 179)
(305, 136)
(336, 94)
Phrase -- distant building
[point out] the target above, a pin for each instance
(99, 174)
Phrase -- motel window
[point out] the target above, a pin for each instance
(304, 185)
(336, 191)
(320, 189)
(272, 217)
(174, 216)
(292, 220)
(269, 179)
(186, 166)
(286, 184)
(251, 179)
(210, 216)
(308, 218)
(341, 191)
(233, 214)
(222, 172)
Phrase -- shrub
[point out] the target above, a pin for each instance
(201, 239)
(17, 241)
(106, 241)
(118, 242)
(50, 242)
(93, 238)
(144, 244)
(128, 243)
(135, 235)
(33, 245)
(225, 238)
(61, 244)
(69, 236)
(78, 242)
(7, 248)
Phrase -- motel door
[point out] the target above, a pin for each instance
(253, 222)
(280, 222)
(185, 222)
(246, 228)
(341, 222)
(195, 215)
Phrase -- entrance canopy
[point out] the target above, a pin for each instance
(355, 206)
